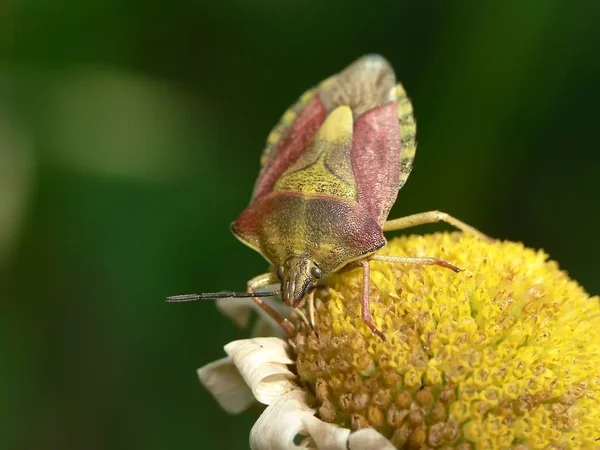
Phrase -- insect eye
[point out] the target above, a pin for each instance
(280, 273)
(316, 272)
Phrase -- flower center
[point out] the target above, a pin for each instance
(500, 354)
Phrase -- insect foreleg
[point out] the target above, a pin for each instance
(365, 300)
(261, 281)
(432, 217)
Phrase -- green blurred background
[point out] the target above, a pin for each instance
(130, 135)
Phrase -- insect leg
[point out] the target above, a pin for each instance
(311, 309)
(365, 300)
(432, 217)
(264, 280)
(424, 261)
(303, 317)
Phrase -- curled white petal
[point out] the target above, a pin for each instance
(326, 436)
(262, 362)
(224, 382)
(367, 439)
(290, 416)
(257, 369)
(279, 424)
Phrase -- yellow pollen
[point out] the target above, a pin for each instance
(505, 354)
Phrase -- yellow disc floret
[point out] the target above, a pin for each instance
(505, 354)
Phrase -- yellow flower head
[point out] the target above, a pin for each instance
(504, 354)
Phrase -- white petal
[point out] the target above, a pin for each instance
(367, 439)
(262, 363)
(290, 416)
(279, 424)
(326, 436)
(224, 382)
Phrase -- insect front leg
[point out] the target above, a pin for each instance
(432, 217)
(264, 280)
(366, 300)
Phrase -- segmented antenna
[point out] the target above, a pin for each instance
(215, 295)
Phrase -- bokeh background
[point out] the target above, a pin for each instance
(130, 135)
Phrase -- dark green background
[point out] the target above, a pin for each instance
(130, 135)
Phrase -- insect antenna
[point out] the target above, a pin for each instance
(215, 295)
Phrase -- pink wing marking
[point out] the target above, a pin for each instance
(376, 159)
(289, 148)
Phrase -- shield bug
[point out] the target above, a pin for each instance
(330, 173)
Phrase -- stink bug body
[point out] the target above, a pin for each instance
(330, 173)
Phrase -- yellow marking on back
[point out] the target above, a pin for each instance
(289, 115)
(338, 125)
(404, 107)
(273, 137)
(400, 91)
(408, 130)
(284, 122)
(408, 133)
(310, 173)
(306, 97)
(316, 179)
